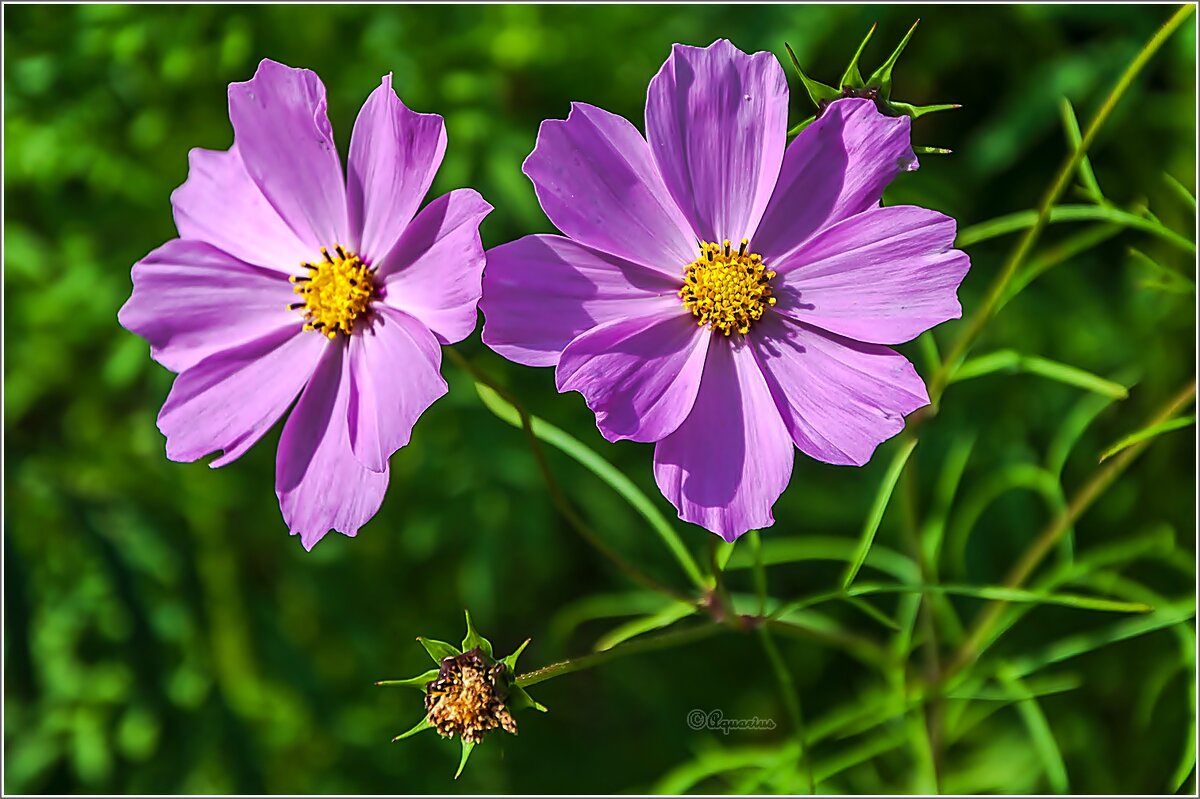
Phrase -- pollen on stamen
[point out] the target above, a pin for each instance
(725, 290)
(336, 292)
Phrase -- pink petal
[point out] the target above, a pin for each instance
(716, 119)
(394, 155)
(885, 275)
(220, 204)
(839, 398)
(320, 484)
(597, 183)
(394, 377)
(435, 268)
(731, 459)
(540, 292)
(640, 376)
(836, 167)
(191, 300)
(228, 400)
(285, 141)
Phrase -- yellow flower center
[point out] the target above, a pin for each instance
(337, 290)
(727, 290)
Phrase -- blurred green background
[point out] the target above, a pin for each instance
(162, 633)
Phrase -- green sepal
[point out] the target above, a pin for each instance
(474, 639)
(466, 752)
(801, 126)
(511, 660)
(882, 77)
(817, 92)
(921, 149)
(420, 681)
(918, 111)
(519, 699)
(438, 650)
(421, 726)
(852, 77)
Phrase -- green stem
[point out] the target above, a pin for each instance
(791, 700)
(1023, 220)
(556, 495)
(1041, 546)
(646, 644)
(991, 303)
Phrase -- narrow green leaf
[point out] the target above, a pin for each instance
(852, 77)
(419, 681)
(929, 351)
(1040, 734)
(778, 550)
(875, 516)
(1147, 433)
(467, 748)
(1167, 279)
(1181, 191)
(1035, 686)
(1075, 140)
(586, 457)
(1011, 362)
(438, 650)
(882, 77)
(1011, 223)
(991, 592)
(817, 92)
(1058, 253)
(420, 726)
(920, 149)
(874, 612)
(630, 629)
(474, 639)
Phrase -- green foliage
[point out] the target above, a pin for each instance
(164, 634)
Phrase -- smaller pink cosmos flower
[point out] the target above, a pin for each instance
(289, 279)
(722, 293)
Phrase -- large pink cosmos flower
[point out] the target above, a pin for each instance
(721, 294)
(289, 279)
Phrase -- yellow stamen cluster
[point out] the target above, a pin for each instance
(467, 698)
(337, 290)
(727, 290)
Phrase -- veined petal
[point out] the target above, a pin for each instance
(228, 400)
(884, 276)
(835, 168)
(731, 458)
(639, 376)
(394, 155)
(540, 292)
(283, 135)
(716, 120)
(220, 204)
(320, 484)
(597, 183)
(191, 300)
(435, 269)
(394, 377)
(839, 398)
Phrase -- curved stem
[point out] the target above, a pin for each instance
(556, 495)
(998, 288)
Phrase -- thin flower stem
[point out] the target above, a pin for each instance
(791, 700)
(1041, 546)
(995, 295)
(760, 572)
(650, 643)
(556, 495)
(724, 604)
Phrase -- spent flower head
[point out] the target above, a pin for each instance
(470, 693)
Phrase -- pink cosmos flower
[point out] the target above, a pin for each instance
(289, 279)
(722, 293)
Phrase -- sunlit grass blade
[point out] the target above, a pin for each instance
(1040, 734)
(1012, 362)
(665, 617)
(1075, 140)
(878, 507)
(586, 457)
(776, 551)
(1021, 220)
(1147, 433)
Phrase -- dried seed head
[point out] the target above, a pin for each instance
(467, 698)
